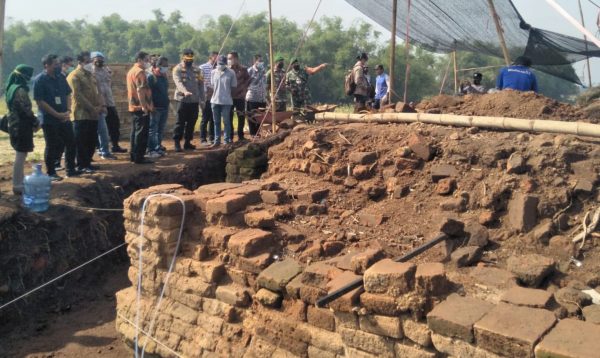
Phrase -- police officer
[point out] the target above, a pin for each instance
(297, 83)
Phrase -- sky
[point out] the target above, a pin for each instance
(536, 12)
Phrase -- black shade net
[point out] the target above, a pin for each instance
(447, 25)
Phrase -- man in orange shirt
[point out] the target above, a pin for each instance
(139, 95)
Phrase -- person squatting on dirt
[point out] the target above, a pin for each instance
(238, 94)
(361, 93)
(280, 89)
(518, 76)
(159, 84)
(296, 81)
(189, 92)
(256, 96)
(53, 97)
(102, 77)
(140, 106)
(21, 121)
(473, 88)
(207, 125)
(223, 80)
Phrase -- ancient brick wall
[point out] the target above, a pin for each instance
(245, 284)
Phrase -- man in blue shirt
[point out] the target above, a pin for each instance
(382, 87)
(53, 96)
(517, 77)
(159, 84)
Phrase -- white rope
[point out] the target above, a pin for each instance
(149, 336)
(140, 266)
(587, 229)
(61, 276)
(91, 209)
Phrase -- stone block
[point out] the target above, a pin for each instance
(250, 191)
(217, 308)
(389, 277)
(522, 212)
(380, 304)
(249, 242)
(417, 332)
(445, 186)
(275, 197)
(516, 164)
(217, 188)
(570, 339)
(493, 277)
(346, 320)
(268, 298)
(254, 264)
(319, 274)
(310, 294)
(217, 237)
(371, 220)
(320, 317)
(362, 172)
(513, 331)
(458, 348)
(478, 234)
(466, 255)
(289, 233)
(430, 278)
(292, 289)
(381, 325)
(420, 146)
(360, 262)
(368, 342)
(527, 297)
(314, 352)
(210, 323)
(531, 269)
(260, 219)
(233, 294)
(362, 158)
(294, 309)
(572, 299)
(226, 205)
(279, 274)
(313, 196)
(441, 171)
(403, 350)
(456, 316)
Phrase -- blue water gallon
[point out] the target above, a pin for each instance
(36, 196)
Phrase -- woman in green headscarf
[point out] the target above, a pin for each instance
(21, 120)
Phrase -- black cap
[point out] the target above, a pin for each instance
(477, 75)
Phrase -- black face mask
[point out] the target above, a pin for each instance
(100, 63)
(296, 67)
(188, 63)
(280, 65)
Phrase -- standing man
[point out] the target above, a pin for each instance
(189, 92)
(223, 80)
(518, 77)
(256, 96)
(102, 75)
(382, 87)
(238, 93)
(297, 82)
(67, 65)
(280, 89)
(53, 97)
(159, 84)
(140, 107)
(361, 93)
(207, 124)
(88, 106)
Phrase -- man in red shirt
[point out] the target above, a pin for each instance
(139, 95)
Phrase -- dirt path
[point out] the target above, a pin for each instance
(86, 330)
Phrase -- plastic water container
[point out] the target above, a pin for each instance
(36, 196)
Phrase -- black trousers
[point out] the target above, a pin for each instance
(59, 137)
(140, 128)
(86, 134)
(253, 126)
(114, 125)
(207, 125)
(187, 115)
(239, 106)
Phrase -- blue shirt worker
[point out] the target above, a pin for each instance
(382, 87)
(518, 77)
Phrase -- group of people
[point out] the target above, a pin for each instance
(517, 77)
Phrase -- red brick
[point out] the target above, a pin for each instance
(217, 188)
(430, 278)
(371, 220)
(217, 237)
(260, 219)
(275, 197)
(513, 331)
(313, 196)
(456, 316)
(420, 146)
(528, 297)
(255, 264)
(371, 343)
(570, 338)
(445, 186)
(494, 277)
(389, 277)
(310, 294)
(321, 318)
(363, 260)
(251, 192)
(380, 304)
(233, 294)
(295, 310)
(441, 171)
(362, 157)
(319, 274)
(227, 204)
(279, 274)
(531, 269)
(250, 242)
(349, 300)
(382, 325)
(522, 213)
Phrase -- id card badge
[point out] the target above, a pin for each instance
(57, 101)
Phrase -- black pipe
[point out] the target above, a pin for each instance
(359, 282)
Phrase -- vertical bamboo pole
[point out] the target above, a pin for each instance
(393, 50)
(500, 32)
(589, 69)
(271, 59)
(455, 72)
(2, 8)
(407, 52)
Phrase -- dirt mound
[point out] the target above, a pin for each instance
(506, 104)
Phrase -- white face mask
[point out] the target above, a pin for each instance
(164, 70)
(229, 63)
(88, 67)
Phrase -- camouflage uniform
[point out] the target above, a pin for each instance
(297, 83)
(281, 96)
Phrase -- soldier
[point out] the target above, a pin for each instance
(297, 83)
(280, 90)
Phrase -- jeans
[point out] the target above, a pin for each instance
(207, 125)
(187, 115)
(139, 136)
(240, 107)
(103, 137)
(252, 125)
(59, 137)
(86, 133)
(221, 113)
(114, 126)
(158, 121)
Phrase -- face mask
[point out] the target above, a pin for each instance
(88, 67)
(57, 70)
(280, 65)
(296, 67)
(100, 63)
(188, 63)
(222, 67)
(164, 70)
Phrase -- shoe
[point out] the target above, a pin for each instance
(118, 149)
(161, 152)
(144, 161)
(94, 167)
(178, 147)
(189, 146)
(87, 170)
(154, 155)
(55, 177)
(58, 167)
(164, 149)
(108, 157)
(73, 173)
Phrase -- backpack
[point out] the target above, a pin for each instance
(349, 84)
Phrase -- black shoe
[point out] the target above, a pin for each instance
(189, 146)
(93, 167)
(144, 161)
(73, 173)
(178, 147)
(119, 150)
(55, 177)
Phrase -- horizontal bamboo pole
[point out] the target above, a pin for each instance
(513, 124)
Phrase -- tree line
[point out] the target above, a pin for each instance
(327, 41)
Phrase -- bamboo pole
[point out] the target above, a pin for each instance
(2, 11)
(271, 59)
(407, 52)
(455, 72)
(393, 50)
(589, 69)
(500, 32)
(513, 124)
(573, 22)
